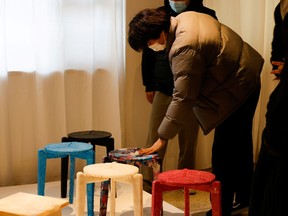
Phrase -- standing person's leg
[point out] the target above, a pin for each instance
(232, 153)
(159, 108)
(269, 188)
(187, 138)
(263, 173)
(245, 165)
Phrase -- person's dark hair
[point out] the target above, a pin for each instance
(146, 25)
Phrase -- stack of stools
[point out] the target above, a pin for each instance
(128, 156)
(113, 172)
(60, 150)
(187, 179)
(93, 137)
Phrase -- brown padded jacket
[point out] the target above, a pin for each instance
(214, 72)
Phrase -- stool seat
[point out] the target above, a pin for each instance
(67, 148)
(186, 179)
(110, 170)
(89, 136)
(113, 172)
(25, 204)
(130, 155)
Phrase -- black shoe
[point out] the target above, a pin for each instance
(239, 208)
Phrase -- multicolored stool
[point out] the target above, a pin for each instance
(60, 150)
(114, 172)
(194, 179)
(128, 156)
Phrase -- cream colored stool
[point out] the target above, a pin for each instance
(25, 204)
(116, 172)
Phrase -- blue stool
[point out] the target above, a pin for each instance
(60, 150)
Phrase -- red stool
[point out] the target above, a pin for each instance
(185, 178)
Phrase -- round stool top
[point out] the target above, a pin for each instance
(185, 177)
(110, 170)
(68, 147)
(89, 135)
(130, 154)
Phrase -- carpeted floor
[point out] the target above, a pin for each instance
(200, 202)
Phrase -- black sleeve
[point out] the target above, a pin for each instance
(147, 66)
(278, 50)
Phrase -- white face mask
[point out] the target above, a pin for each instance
(178, 6)
(157, 47)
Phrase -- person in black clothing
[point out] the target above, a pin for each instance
(278, 50)
(158, 81)
(269, 189)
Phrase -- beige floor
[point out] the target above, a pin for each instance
(124, 200)
(172, 206)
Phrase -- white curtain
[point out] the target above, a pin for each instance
(61, 71)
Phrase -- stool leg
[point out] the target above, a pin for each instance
(90, 199)
(216, 198)
(104, 191)
(80, 194)
(157, 199)
(110, 145)
(112, 197)
(187, 203)
(41, 171)
(72, 174)
(64, 171)
(138, 194)
(90, 158)
(104, 197)
(157, 168)
(64, 176)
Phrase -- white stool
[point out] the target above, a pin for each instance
(25, 204)
(116, 172)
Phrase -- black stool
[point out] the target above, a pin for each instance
(101, 138)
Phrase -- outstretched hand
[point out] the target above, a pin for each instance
(154, 148)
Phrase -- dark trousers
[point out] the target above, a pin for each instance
(269, 189)
(232, 154)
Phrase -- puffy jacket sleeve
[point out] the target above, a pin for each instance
(188, 68)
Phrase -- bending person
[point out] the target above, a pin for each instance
(216, 77)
